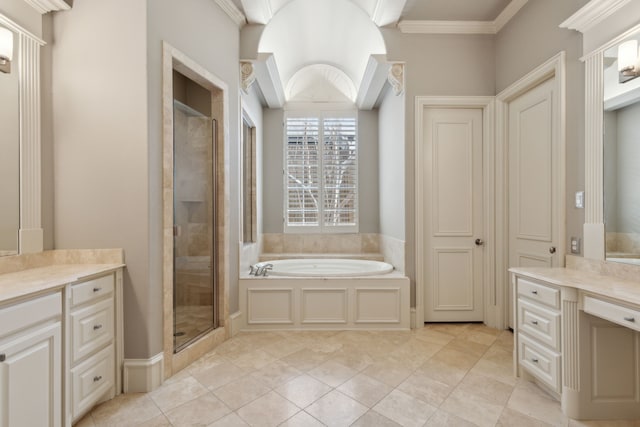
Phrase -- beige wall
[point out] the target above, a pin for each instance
(445, 65)
(528, 40)
(101, 150)
(273, 201)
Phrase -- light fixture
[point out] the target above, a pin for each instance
(6, 50)
(628, 61)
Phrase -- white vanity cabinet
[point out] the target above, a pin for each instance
(31, 362)
(577, 335)
(538, 326)
(61, 350)
(91, 346)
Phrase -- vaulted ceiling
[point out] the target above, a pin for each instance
(322, 47)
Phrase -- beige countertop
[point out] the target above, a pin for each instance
(624, 290)
(39, 280)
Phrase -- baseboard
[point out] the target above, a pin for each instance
(143, 375)
(236, 323)
(413, 317)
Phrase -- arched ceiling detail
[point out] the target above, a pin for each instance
(320, 83)
(331, 32)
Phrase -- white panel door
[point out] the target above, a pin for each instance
(534, 179)
(453, 209)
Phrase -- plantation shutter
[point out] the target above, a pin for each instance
(321, 172)
(340, 172)
(302, 171)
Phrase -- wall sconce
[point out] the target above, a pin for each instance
(6, 50)
(628, 61)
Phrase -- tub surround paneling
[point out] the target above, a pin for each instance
(325, 303)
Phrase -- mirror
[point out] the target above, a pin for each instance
(621, 153)
(10, 157)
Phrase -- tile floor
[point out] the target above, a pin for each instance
(440, 375)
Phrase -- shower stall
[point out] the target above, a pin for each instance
(194, 231)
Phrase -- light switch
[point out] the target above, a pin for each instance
(580, 199)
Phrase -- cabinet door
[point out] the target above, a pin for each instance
(30, 378)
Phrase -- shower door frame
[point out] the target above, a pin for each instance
(174, 59)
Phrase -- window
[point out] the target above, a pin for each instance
(321, 173)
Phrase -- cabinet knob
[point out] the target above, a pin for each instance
(97, 289)
(534, 292)
(3, 357)
(97, 378)
(535, 322)
(96, 327)
(534, 360)
(630, 319)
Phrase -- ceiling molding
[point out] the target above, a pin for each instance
(464, 27)
(44, 6)
(373, 81)
(257, 11)
(508, 13)
(592, 14)
(387, 12)
(447, 27)
(268, 78)
(232, 11)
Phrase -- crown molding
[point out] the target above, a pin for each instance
(508, 13)
(44, 6)
(447, 27)
(592, 14)
(464, 27)
(257, 11)
(232, 11)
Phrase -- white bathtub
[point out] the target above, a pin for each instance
(326, 267)
(325, 294)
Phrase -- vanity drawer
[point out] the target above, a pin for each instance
(91, 380)
(539, 323)
(538, 292)
(612, 312)
(539, 361)
(91, 328)
(92, 289)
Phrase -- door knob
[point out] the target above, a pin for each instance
(552, 250)
(479, 242)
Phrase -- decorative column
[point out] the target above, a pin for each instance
(30, 233)
(594, 238)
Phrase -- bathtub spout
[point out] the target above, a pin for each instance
(253, 270)
(263, 269)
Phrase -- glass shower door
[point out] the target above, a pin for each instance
(194, 264)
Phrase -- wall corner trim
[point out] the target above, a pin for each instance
(143, 375)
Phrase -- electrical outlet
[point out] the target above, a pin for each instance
(575, 245)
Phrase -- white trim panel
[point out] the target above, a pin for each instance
(143, 375)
